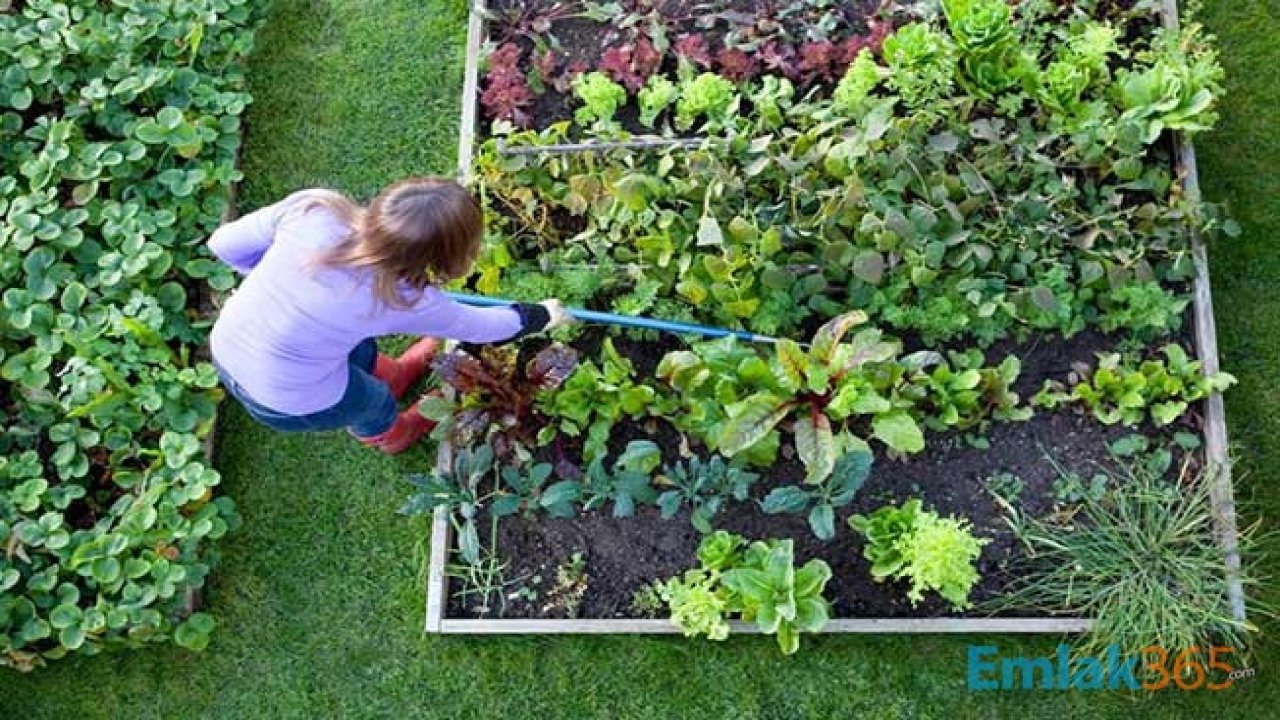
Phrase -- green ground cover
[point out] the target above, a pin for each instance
(319, 596)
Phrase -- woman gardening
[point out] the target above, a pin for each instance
(324, 277)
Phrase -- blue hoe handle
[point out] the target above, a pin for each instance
(642, 323)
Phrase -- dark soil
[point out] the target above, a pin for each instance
(951, 475)
(623, 555)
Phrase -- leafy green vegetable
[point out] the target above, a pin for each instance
(885, 530)
(735, 400)
(771, 100)
(782, 600)
(697, 604)
(1120, 392)
(460, 490)
(853, 90)
(921, 63)
(704, 487)
(706, 96)
(1177, 91)
(657, 94)
(601, 97)
(936, 554)
(120, 127)
(594, 399)
(939, 555)
(821, 500)
(720, 550)
(495, 398)
(759, 583)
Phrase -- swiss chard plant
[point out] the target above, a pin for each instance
(737, 401)
(493, 397)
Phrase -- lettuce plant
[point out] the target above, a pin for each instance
(782, 600)
(707, 96)
(720, 550)
(861, 77)
(697, 604)
(656, 95)
(939, 556)
(921, 63)
(979, 25)
(988, 45)
(600, 96)
(884, 530)
(1176, 91)
(1080, 62)
(506, 94)
(760, 584)
(936, 554)
(631, 64)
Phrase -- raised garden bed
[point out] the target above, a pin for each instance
(1009, 457)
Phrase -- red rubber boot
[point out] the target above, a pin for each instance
(408, 429)
(402, 372)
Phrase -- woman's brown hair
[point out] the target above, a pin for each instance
(418, 232)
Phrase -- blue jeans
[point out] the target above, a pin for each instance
(367, 408)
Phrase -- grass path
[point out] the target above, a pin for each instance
(319, 595)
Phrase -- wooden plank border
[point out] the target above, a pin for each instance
(1215, 449)
(834, 626)
(1217, 453)
(636, 143)
(470, 89)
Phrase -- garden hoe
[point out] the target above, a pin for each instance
(642, 323)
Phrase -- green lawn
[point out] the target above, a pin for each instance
(320, 595)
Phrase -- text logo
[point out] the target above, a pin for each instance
(1154, 668)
